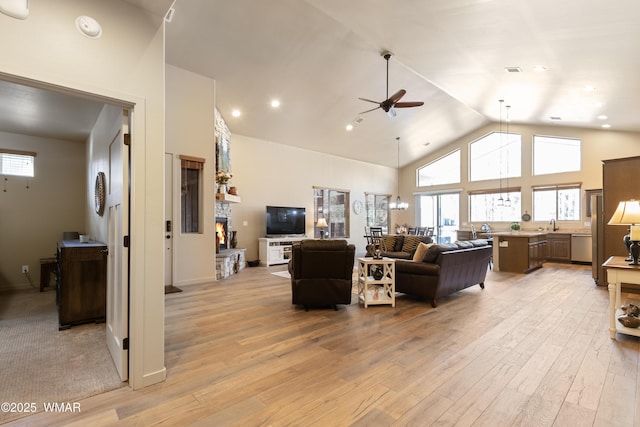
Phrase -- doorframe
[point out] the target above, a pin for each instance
(146, 350)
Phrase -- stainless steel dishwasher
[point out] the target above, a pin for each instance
(581, 249)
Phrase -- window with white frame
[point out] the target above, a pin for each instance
(377, 211)
(495, 205)
(560, 202)
(552, 154)
(333, 206)
(445, 170)
(495, 156)
(17, 163)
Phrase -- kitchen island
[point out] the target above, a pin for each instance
(519, 251)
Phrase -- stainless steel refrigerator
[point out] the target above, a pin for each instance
(597, 239)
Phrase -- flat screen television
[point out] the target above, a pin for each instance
(285, 221)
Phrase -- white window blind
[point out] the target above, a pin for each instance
(17, 163)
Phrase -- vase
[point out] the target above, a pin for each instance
(222, 188)
(233, 242)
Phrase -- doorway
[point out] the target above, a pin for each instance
(442, 212)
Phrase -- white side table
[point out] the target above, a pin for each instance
(618, 272)
(373, 291)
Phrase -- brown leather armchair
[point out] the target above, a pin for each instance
(321, 272)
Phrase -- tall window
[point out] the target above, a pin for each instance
(495, 156)
(191, 193)
(377, 210)
(485, 205)
(445, 170)
(561, 202)
(552, 154)
(17, 163)
(333, 206)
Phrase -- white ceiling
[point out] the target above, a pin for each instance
(319, 56)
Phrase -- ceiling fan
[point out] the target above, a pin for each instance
(390, 104)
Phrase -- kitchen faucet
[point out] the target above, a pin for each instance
(553, 222)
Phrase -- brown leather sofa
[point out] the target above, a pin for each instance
(321, 272)
(400, 246)
(445, 269)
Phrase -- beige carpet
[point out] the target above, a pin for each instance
(40, 364)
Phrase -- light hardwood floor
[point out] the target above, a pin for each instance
(528, 350)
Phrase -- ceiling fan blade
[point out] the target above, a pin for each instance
(396, 96)
(408, 104)
(369, 110)
(368, 100)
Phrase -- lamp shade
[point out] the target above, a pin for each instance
(322, 223)
(627, 213)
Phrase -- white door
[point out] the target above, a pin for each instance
(118, 261)
(168, 219)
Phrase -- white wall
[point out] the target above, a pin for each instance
(189, 131)
(33, 219)
(125, 65)
(597, 145)
(268, 173)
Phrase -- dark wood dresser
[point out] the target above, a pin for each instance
(81, 288)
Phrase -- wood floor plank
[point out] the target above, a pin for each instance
(528, 350)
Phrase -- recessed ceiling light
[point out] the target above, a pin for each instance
(603, 117)
(275, 103)
(539, 68)
(236, 113)
(589, 89)
(513, 69)
(349, 127)
(606, 126)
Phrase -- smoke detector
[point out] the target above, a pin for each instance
(88, 26)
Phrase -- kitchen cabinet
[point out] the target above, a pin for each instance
(559, 247)
(520, 252)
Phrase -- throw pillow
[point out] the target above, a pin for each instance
(421, 251)
(411, 243)
(388, 243)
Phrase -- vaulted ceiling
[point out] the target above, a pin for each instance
(319, 56)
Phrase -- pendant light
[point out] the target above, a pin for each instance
(398, 204)
(507, 203)
(500, 199)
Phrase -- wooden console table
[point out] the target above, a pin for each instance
(618, 272)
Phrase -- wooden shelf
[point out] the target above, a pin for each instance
(230, 198)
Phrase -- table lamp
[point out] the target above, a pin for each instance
(628, 213)
(321, 224)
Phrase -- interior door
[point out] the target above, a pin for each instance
(168, 219)
(118, 261)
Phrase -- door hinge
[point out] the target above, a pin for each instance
(125, 241)
(127, 139)
(125, 344)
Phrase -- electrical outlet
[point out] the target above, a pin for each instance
(25, 268)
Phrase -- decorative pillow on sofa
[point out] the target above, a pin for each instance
(411, 243)
(388, 243)
(421, 251)
(434, 251)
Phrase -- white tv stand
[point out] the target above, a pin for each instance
(276, 250)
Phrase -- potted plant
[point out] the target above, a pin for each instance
(222, 178)
(515, 226)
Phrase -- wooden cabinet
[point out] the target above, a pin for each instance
(617, 185)
(521, 252)
(81, 288)
(559, 246)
